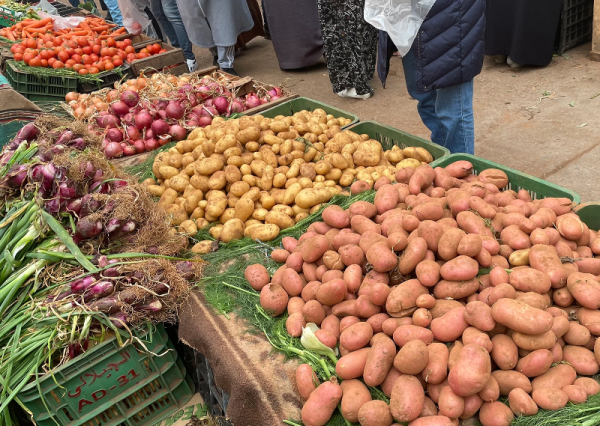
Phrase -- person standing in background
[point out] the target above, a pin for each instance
(114, 13)
(297, 42)
(349, 46)
(168, 17)
(215, 25)
(444, 58)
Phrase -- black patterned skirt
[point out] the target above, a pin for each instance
(349, 44)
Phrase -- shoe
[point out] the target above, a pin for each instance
(215, 62)
(192, 64)
(230, 71)
(351, 93)
(500, 59)
(512, 63)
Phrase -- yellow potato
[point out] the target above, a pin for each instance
(227, 215)
(200, 182)
(418, 153)
(260, 214)
(208, 166)
(201, 222)
(519, 257)
(217, 180)
(215, 231)
(408, 162)
(156, 190)
(188, 227)
(244, 209)
(232, 174)
(203, 247)
(282, 208)
(272, 140)
(167, 172)
(176, 214)
(310, 197)
(291, 193)
(239, 188)
(265, 232)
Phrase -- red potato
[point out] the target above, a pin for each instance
(356, 336)
(471, 372)
(291, 282)
(422, 317)
(576, 394)
(354, 395)
(322, 403)
(294, 324)
(382, 258)
(472, 224)
(521, 403)
(428, 211)
(327, 338)
(309, 292)
(379, 361)
(458, 201)
(450, 404)
(336, 217)
(529, 279)
(563, 297)
(414, 253)
(366, 309)
(513, 237)
(352, 365)
(448, 243)
(389, 381)
(333, 261)
(433, 391)
(550, 399)
(479, 315)
(289, 243)
(347, 322)
(533, 342)
(375, 413)
(386, 198)
(521, 317)
(491, 391)
(495, 414)
(315, 248)
(404, 296)
(361, 224)
(455, 349)
(585, 288)
(332, 292)
(441, 307)
(436, 369)
(557, 352)
(472, 405)
(591, 386)
(376, 322)
(544, 258)
(331, 323)
(369, 238)
(353, 278)
(536, 363)
(482, 208)
(257, 275)
(412, 357)
(590, 318)
(431, 232)
(313, 311)
(421, 179)
(429, 408)
(570, 226)
(330, 275)
(432, 421)
(294, 261)
(309, 270)
(306, 380)
(406, 402)
(556, 377)
(428, 273)
(484, 258)
(473, 336)
(459, 169)
(443, 179)
(397, 241)
(405, 333)
(498, 276)
(581, 359)
(351, 254)
(577, 334)
(450, 326)
(470, 245)
(360, 186)
(456, 289)
(273, 299)
(343, 239)
(461, 268)
(280, 255)
(425, 301)
(362, 208)
(295, 304)
(501, 291)
(510, 379)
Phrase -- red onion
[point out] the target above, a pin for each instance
(153, 306)
(119, 319)
(133, 133)
(203, 92)
(164, 139)
(130, 98)
(88, 169)
(143, 120)
(128, 226)
(58, 149)
(209, 103)
(161, 104)
(263, 101)
(177, 132)
(139, 146)
(18, 176)
(204, 121)
(89, 204)
(112, 225)
(113, 150)
(252, 101)
(129, 150)
(185, 88)
(275, 91)
(114, 135)
(77, 143)
(74, 206)
(151, 144)
(129, 119)
(82, 284)
(221, 104)
(28, 132)
(119, 108)
(174, 110)
(274, 97)
(191, 123)
(36, 173)
(66, 190)
(210, 111)
(52, 206)
(149, 134)
(65, 137)
(105, 142)
(117, 184)
(160, 127)
(101, 289)
(88, 228)
(236, 106)
(162, 114)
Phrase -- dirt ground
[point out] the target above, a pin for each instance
(542, 121)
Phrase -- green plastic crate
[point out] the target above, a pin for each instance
(9, 17)
(389, 136)
(36, 88)
(111, 385)
(590, 215)
(537, 188)
(296, 105)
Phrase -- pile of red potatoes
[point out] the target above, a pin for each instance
(447, 292)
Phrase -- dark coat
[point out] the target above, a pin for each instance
(449, 46)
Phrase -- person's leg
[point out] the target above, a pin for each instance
(74, 3)
(115, 12)
(454, 108)
(153, 30)
(226, 56)
(174, 17)
(165, 25)
(427, 101)
(265, 23)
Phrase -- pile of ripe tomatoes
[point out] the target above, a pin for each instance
(85, 55)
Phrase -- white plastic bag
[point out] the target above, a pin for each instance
(62, 23)
(401, 19)
(135, 20)
(45, 6)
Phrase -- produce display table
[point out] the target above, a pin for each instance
(596, 37)
(260, 383)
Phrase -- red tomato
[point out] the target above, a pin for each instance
(45, 54)
(70, 62)
(120, 45)
(58, 65)
(104, 51)
(99, 65)
(78, 67)
(72, 44)
(31, 43)
(94, 57)
(129, 49)
(44, 62)
(57, 42)
(94, 70)
(116, 57)
(131, 57)
(144, 50)
(51, 61)
(109, 66)
(35, 62)
(162, 50)
(19, 56)
(79, 50)
(83, 41)
(13, 47)
(64, 56)
(70, 51)
(28, 57)
(68, 66)
(87, 66)
(83, 72)
(117, 62)
(76, 58)
(156, 47)
(87, 59)
(110, 41)
(96, 49)
(127, 42)
(112, 51)
(87, 50)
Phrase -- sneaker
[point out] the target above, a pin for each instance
(500, 59)
(230, 71)
(512, 63)
(351, 93)
(192, 65)
(215, 61)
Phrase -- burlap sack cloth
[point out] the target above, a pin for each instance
(260, 383)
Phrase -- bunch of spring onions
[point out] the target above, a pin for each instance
(55, 301)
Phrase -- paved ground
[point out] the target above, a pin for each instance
(543, 121)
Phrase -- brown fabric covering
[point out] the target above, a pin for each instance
(11, 101)
(256, 31)
(260, 383)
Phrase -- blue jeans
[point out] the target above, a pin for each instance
(447, 112)
(169, 19)
(115, 12)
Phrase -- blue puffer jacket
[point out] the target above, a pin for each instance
(449, 46)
